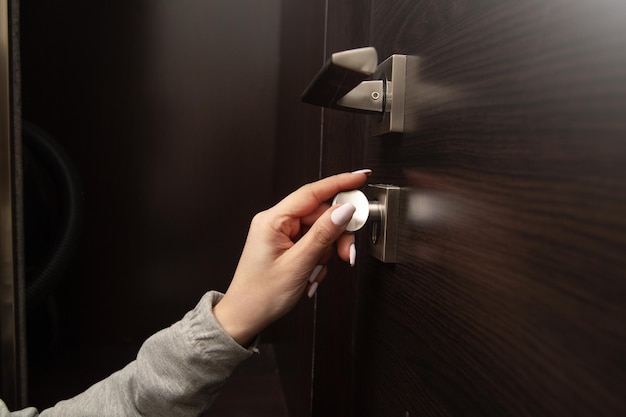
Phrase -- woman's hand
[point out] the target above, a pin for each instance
(286, 250)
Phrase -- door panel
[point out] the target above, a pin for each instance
(509, 296)
(344, 138)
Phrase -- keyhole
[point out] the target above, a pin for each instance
(375, 232)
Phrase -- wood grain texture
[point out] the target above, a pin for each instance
(344, 137)
(299, 125)
(297, 162)
(509, 299)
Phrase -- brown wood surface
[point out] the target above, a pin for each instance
(297, 162)
(344, 138)
(509, 299)
(509, 295)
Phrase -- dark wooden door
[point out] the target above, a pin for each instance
(509, 298)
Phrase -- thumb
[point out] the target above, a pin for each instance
(323, 233)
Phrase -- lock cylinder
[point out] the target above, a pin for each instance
(380, 208)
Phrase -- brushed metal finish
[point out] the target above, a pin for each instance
(344, 71)
(362, 213)
(384, 232)
(392, 72)
(368, 96)
(340, 84)
(380, 208)
(363, 60)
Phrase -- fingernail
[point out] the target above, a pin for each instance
(342, 214)
(312, 289)
(366, 171)
(352, 254)
(316, 272)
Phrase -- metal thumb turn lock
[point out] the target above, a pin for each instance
(379, 208)
(365, 210)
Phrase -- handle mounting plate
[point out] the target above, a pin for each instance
(392, 72)
(384, 231)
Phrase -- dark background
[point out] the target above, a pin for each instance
(167, 109)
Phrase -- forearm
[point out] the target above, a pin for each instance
(178, 372)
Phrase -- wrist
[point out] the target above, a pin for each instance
(237, 325)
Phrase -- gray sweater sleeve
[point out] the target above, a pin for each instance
(178, 372)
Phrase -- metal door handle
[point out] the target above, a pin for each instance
(380, 208)
(340, 74)
(343, 84)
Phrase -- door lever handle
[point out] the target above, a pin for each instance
(340, 74)
(380, 208)
(343, 83)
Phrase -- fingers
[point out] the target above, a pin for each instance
(318, 275)
(346, 248)
(308, 220)
(320, 226)
(308, 198)
(345, 243)
(322, 234)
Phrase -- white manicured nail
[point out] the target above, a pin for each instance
(316, 272)
(342, 214)
(366, 171)
(312, 289)
(352, 254)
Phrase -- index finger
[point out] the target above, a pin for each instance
(309, 197)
